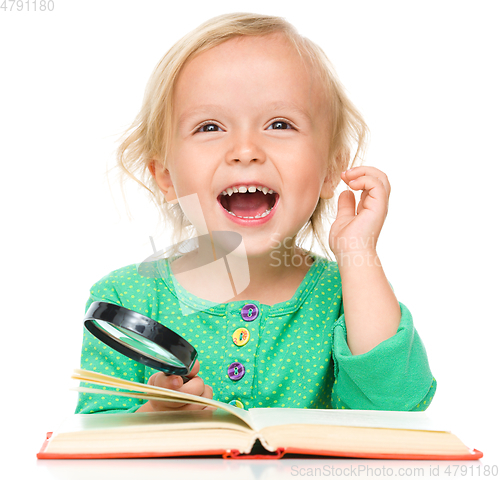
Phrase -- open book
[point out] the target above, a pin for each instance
(233, 432)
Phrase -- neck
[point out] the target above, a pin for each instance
(270, 278)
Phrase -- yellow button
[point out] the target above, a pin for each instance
(241, 336)
(236, 403)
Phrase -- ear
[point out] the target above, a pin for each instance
(163, 180)
(333, 177)
(327, 189)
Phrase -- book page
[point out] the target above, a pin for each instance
(268, 417)
(150, 392)
(128, 434)
(152, 421)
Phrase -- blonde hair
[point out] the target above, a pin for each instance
(150, 133)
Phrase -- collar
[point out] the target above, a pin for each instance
(320, 266)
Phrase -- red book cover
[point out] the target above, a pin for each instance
(235, 454)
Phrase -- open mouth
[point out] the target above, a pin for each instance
(252, 202)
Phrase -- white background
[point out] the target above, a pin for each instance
(425, 76)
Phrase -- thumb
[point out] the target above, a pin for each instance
(194, 371)
(346, 206)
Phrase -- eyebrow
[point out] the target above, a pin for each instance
(274, 106)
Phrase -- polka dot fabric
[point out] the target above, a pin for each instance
(296, 355)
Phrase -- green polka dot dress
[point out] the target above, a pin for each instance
(292, 354)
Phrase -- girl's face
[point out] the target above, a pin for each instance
(249, 113)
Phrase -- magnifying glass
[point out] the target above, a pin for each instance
(140, 338)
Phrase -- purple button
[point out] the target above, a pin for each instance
(235, 371)
(249, 312)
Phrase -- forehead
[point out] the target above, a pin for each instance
(249, 70)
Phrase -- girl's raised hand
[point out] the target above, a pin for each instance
(357, 231)
(195, 386)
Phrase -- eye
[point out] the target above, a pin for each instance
(280, 125)
(209, 127)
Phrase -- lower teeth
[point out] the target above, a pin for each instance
(265, 214)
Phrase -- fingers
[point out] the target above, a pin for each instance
(373, 182)
(362, 201)
(346, 205)
(159, 379)
(194, 371)
(172, 382)
(207, 393)
(195, 386)
(356, 172)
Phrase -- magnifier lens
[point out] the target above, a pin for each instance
(140, 338)
(138, 344)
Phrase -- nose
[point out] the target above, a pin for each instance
(245, 147)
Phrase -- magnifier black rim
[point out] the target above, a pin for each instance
(145, 327)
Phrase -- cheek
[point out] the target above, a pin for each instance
(192, 169)
(306, 164)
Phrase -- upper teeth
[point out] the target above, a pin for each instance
(243, 189)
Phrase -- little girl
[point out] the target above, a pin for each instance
(249, 117)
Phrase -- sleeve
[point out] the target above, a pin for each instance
(394, 375)
(96, 356)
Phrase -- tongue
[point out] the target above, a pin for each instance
(249, 204)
